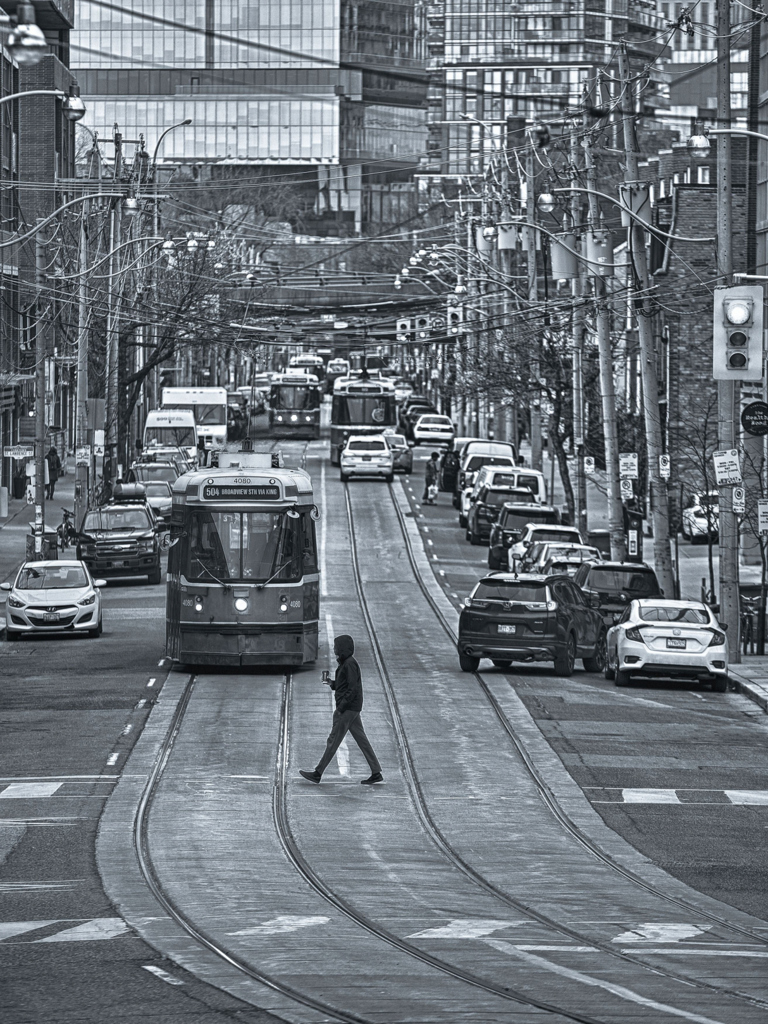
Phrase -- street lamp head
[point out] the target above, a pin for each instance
(398, 282)
(546, 202)
(73, 106)
(461, 288)
(405, 272)
(489, 232)
(218, 266)
(27, 44)
(191, 244)
(698, 146)
(130, 206)
(187, 120)
(169, 247)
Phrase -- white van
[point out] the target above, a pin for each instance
(171, 428)
(501, 476)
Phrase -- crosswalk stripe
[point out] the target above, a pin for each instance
(650, 796)
(10, 928)
(757, 797)
(29, 790)
(96, 929)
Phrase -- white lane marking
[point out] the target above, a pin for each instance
(247, 776)
(63, 886)
(323, 532)
(282, 924)
(112, 759)
(441, 571)
(151, 682)
(756, 797)
(586, 979)
(126, 730)
(685, 951)
(559, 949)
(29, 790)
(140, 704)
(465, 928)
(41, 822)
(40, 778)
(10, 928)
(430, 542)
(95, 930)
(661, 932)
(650, 796)
(163, 975)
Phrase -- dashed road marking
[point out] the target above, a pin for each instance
(465, 928)
(112, 759)
(8, 929)
(163, 975)
(682, 797)
(650, 796)
(152, 682)
(653, 931)
(29, 790)
(126, 730)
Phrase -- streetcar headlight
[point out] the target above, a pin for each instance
(283, 603)
(294, 417)
(241, 604)
(308, 419)
(198, 604)
(280, 419)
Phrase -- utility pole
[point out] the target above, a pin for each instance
(533, 298)
(578, 288)
(113, 327)
(727, 406)
(40, 339)
(607, 386)
(643, 312)
(81, 398)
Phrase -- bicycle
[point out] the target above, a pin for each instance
(66, 532)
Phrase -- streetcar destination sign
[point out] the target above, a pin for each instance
(240, 492)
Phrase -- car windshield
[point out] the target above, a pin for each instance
(709, 500)
(396, 441)
(496, 498)
(177, 437)
(158, 489)
(117, 519)
(616, 581)
(478, 461)
(556, 535)
(367, 410)
(48, 577)
(512, 520)
(511, 590)
(440, 421)
(248, 546)
(147, 473)
(531, 482)
(366, 446)
(664, 613)
(502, 479)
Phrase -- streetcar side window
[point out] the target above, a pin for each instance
(309, 546)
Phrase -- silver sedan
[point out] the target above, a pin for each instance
(668, 639)
(53, 597)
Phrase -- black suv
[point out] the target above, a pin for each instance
(509, 527)
(121, 539)
(612, 585)
(530, 618)
(485, 509)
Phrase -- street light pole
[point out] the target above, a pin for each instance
(39, 398)
(81, 399)
(533, 298)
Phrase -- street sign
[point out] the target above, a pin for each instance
(19, 451)
(83, 455)
(739, 500)
(98, 437)
(762, 515)
(627, 491)
(665, 466)
(727, 468)
(589, 464)
(98, 449)
(628, 465)
(754, 419)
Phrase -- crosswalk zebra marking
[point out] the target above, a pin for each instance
(95, 929)
(30, 790)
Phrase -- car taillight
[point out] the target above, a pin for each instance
(473, 602)
(718, 639)
(635, 635)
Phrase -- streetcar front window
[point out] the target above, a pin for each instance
(288, 396)
(364, 410)
(248, 546)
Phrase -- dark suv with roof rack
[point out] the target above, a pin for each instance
(530, 617)
(121, 537)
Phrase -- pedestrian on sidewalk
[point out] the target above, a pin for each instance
(347, 685)
(430, 480)
(54, 468)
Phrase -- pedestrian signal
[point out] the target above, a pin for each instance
(423, 325)
(403, 330)
(738, 333)
(454, 316)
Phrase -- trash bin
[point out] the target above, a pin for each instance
(18, 487)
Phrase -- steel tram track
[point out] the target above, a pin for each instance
(454, 857)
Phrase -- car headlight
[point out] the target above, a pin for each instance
(14, 602)
(145, 546)
(87, 600)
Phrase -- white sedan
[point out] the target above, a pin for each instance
(433, 428)
(668, 639)
(702, 517)
(367, 455)
(53, 597)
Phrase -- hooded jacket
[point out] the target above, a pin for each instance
(347, 683)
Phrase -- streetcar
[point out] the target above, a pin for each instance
(361, 405)
(308, 361)
(243, 580)
(294, 405)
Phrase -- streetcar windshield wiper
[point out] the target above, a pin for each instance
(227, 586)
(260, 586)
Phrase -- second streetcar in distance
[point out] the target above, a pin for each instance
(361, 406)
(294, 406)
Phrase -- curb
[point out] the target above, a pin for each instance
(751, 688)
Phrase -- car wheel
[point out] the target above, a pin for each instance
(623, 678)
(344, 477)
(11, 635)
(474, 538)
(455, 502)
(154, 577)
(390, 478)
(493, 563)
(409, 469)
(501, 664)
(720, 685)
(468, 663)
(565, 659)
(597, 662)
(609, 673)
(463, 523)
(95, 633)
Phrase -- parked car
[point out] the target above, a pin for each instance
(471, 464)
(655, 638)
(509, 527)
(537, 532)
(402, 452)
(121, 537)
(160, 499)
(433, 429)
(53, 597)
(411, 412)
(255, 394)
(403, 390)
(702, 517)
(486, 507)
(615, 584)
(144, 472)
(530, 618)
(367, 455)
(540, 555)
(528, 479)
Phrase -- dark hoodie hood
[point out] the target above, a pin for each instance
(344, 646)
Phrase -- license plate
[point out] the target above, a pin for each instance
(51, 617)
(675, 644)
(506, 629)
(367, 458)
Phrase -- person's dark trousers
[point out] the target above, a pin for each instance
(344, 722)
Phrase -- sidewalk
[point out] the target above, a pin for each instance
(751, 679)
(14, 529)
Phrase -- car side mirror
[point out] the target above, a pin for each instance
(723, 625)
(594, 600)
(5, 586)
(99, 583)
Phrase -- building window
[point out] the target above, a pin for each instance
(703, 175)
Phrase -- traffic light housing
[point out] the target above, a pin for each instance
(403, 329)
(737, 348)
(423, 326)
(454, 316)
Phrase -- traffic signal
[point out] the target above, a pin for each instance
(455, 319)
(403, 330)
(423, 325)
(738, 333)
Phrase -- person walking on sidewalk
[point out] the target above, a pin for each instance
(54, 468)
(430, 480)
(347, 685)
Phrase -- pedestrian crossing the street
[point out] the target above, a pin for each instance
(724, 797)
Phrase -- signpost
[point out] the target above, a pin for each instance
(628, 465)
(754, 418)
(739, 500)
(762, 515)
(19, 451)
(665, 466)
(83, 455)
(627, 490)
(727, 468)
(589, 465)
